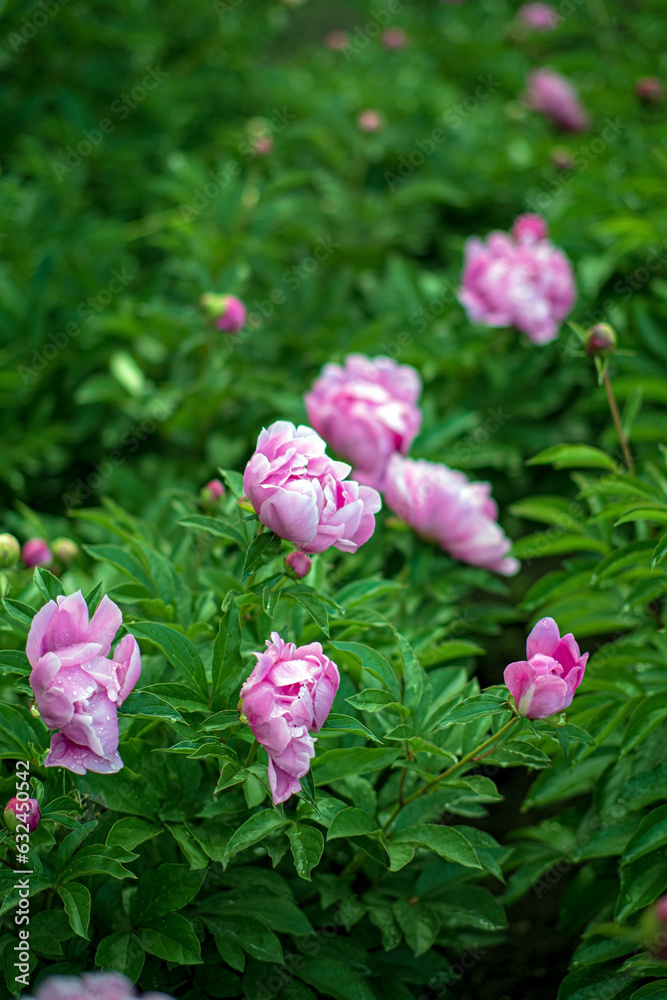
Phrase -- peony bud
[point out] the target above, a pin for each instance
(10, 550)
(211, 494)
(600, 340)
(36, 552)
(394, 39)
(337, 40)
(530, 227)
(297, 564)
(370, 120)
(65, 549)
(546, 681)
(649, 90)
(228, 311)
(24, 811)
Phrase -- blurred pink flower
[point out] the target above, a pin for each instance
(539, 16)
(234, 314)
(442, 504)
(552, 95)
(298, 563)
(370, 120)
(77, 687)
(24, 811)
(366, 410)
(289, 692)
(649, 90)
(394, 39)
(262, 145)
(545, 682)
(337, 40)
(91, 986)
(302, 495)
(36, 552)
(529, 227)
(211, 493)
(525, 282)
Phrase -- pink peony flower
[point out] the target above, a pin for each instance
(370, 120)
(539, 16)
(297, 564)
(337, 40)
(289, 692)
(77, 687)
(545, 682)
(24, 811)
(36, 552)
(366, 410)
(524, 282)
(552, 95)
(442, 504)
(302, 495)
(91, 986)
(394, 39)
(234, 314)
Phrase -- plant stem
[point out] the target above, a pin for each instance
(455, 767)
(617, 421)
(251, 753)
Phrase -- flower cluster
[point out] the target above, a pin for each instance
(288, 694)
(304, 496)
(519, 279)
(77, 688)
(91, 986)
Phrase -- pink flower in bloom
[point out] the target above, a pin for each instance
(539, 16)
(545, 682)
(24, 811)
(524, 282)
(552, 95)
(298, 563)
(289, 692)
(77, 687)
(91, 986)
(366, 410)
(302, 495)
(394, 39)
(370, 120)
(337, 40)
(442, 504)
(36, 552)
(234, 314)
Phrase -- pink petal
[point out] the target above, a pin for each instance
(549, 696)
(543, 639)
(105, 623)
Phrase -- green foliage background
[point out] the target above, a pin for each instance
(138, 374)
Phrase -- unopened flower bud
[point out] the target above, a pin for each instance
(337, 40)
(64, 549)
(24, 811)
(600, 340)
(228, 311)
(211, 494)
(394, 39)
(649, 90)
(297, 564)
(36, 552)
(10, 550)
(370, 120)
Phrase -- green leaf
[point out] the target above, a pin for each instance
(172, 939)
(336, 764)
(165, 889)
(19, 611)
(454, 649)
(214, 526)
(307, 844)
(253, 830)
(657, 990)
(651, 835)
(346, 724)
(480, 706)
(312, 603)
(471, 906)
(97, 859)
(227, 667)
(263, 549)
(47, 584)
(419, 922)
(130, 832)
(124, 561)
(655, 512)
(642, 881)
(375, 663)
(179, 650)
(17, 730)
(372, 700)
(121, 953)
(351, 822)
(574, 456)
(644, 720)
(334, 979)
(76, 900)
(414, 676)
(146, 705)
(446, 841)
(660, 551)
(248, 933)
